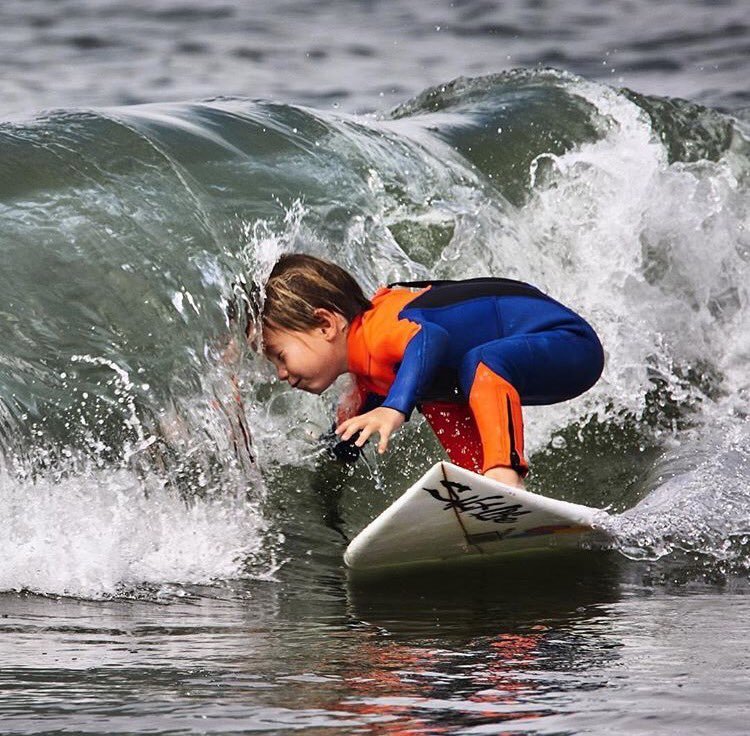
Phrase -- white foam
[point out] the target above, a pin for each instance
(704, 509)
(655, 255)
(647, 251)
(96, 533)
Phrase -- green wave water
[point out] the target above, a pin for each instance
(127, 232)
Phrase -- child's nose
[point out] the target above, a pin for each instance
(282, 373)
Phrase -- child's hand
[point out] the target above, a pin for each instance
(382, 420)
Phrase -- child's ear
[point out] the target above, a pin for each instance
(331, 323)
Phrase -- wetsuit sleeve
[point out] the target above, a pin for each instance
(424, 354)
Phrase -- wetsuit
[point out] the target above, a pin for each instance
(468, 354)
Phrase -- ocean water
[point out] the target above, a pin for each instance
(173, 528)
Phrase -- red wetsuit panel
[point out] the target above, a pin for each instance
(455, 428)
(486, 434)
(351, 402)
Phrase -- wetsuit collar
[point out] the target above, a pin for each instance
(356, 349)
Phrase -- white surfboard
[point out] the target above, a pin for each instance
(452, 513)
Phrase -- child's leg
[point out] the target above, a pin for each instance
(457, 431)
(455, 428)
(496, 407)
(541, 368)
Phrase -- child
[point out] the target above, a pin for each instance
(467, 354)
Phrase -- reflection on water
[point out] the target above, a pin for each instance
(483, 639)
(482, 600)
(556, 645)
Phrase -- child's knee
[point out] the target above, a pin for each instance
(493, 360)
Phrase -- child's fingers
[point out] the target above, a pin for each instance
(364, 435)
(366, 425)
(349, 427)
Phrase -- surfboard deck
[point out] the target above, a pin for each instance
(453, 514)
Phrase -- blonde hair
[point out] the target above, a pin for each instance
(299, 284)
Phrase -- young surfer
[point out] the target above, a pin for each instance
(466, 354)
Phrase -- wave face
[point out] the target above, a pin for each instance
(128, 231)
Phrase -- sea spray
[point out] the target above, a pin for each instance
(97, 534)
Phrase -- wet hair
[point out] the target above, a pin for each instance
(299, 284)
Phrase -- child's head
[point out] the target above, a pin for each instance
(308, 306)
(300, 285)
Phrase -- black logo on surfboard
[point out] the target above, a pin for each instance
(488, 508)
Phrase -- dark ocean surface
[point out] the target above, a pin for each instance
(171, 560)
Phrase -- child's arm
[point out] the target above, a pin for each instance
(416, 365)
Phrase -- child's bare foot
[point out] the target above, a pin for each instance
(505, 475)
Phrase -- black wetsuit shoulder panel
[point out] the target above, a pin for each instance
(444, 293)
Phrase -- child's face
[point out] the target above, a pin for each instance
(311, 360)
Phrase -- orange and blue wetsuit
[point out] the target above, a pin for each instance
(468, 354)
